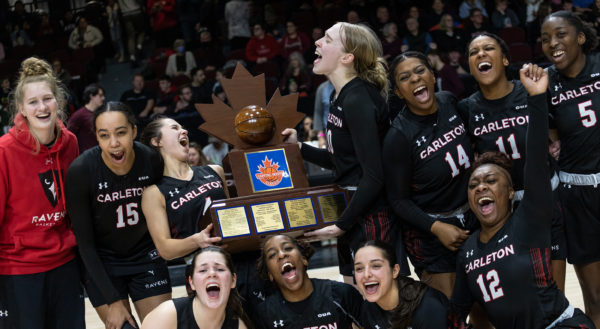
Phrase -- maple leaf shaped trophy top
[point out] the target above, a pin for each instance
(247, 93)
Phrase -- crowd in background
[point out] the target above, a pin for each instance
(181, 49)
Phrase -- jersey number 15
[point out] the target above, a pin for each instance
(131, 213)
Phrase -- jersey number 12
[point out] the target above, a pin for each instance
(131, 213)
(493, 283)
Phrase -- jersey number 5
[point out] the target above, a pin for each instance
(588, 116)
(463, 160)
(131, 213)
(493, 283)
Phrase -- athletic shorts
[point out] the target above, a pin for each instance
(151, 280)
(378, 225)
(578, 321)
(427, 253)
(557, 233)
(581, 209)
(51, 299)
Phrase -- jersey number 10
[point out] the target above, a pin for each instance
(130, 212)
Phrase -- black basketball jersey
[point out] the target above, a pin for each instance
(111, 204)
(499, 125)
(432, 313)
(575, 111)
(356, 125)
(510, 275)
(188, 201)
(332, 305)
(186, 320)
(427, 158)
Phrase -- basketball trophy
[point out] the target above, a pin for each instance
(273, 194)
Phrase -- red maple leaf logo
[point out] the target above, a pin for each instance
(268, 173)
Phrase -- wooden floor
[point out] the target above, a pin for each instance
(573, 292)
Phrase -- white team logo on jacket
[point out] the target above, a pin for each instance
(277, 324)
(51, 189)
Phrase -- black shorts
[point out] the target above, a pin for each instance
(378, 225)
(425, 250)
(51, 299)
(579, 321)
(151, 280)
(581, 209)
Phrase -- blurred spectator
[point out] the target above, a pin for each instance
(593, 16)
(5, 90)
(63, 75)
(416, 39)
(45, 27)
(583, 6)
(195, 155)
(476, 24)
(262, 47)
(134, 23)
(163, 19)
(321, 110)
(446, 77)
(503, 17)
(68, 22)
(166, 95)
(391, 43)
(139, 99)
(216, 150)
(382, 18)
(201, 87)
(454, 60)
(294, 41)
(237, 15)
(534, 28)
(353, 17)
(434, 16)
(113, 15)
(297, 70)
(567, 5)
(317, 33)
(447, 36)
(85, 36)
(81, 123)
(307, 133)
(467, 5)
(181, 62)
(532, 10)
(304, 101)
(190, 13)
(19, 36)
(208, 52)
(19, 16)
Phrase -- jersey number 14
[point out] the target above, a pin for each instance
(463, 160)
(131, 213)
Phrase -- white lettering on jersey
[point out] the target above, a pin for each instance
(490, 258)
(501, 124)
(442, 141)
(324, 326)
(120, 195)
(575, 93)
(48, 219)
(195, 193)
(333, 119)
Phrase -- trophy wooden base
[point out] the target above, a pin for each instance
(243, 222)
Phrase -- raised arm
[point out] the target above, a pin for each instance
(537, 200)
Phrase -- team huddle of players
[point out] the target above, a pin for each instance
(488, 197)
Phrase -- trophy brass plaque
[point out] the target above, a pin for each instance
(300, 212)
(233, 222)
(267, 217)
(332, 206)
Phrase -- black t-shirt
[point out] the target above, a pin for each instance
(107, 216)
(188, 201)
(575, 111)
(432, 313)
(137, 101)
(186, 320)
(332, 304)
(510, 275)
(356, 124)
(426, 160)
